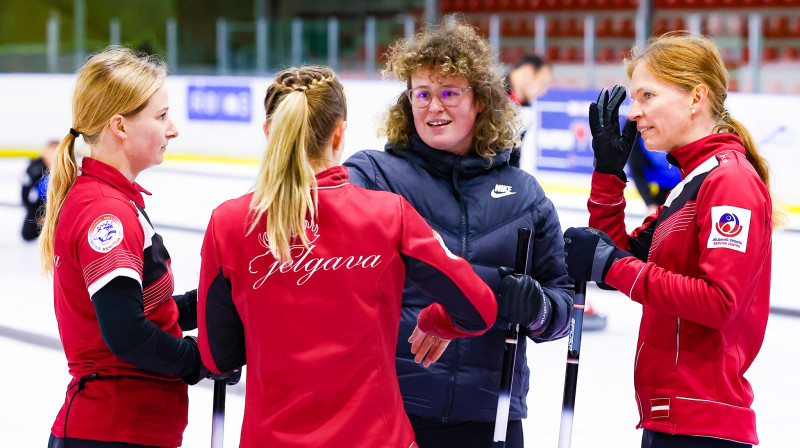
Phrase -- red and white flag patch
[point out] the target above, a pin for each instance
(659, 407)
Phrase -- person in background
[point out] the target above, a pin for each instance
(652, 174)
(701, 265)
(449, 138)
(119, 323)
(302, 280)
(528, 79)
(34, 191)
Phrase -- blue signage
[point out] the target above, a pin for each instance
(219, 103)
(563, 138)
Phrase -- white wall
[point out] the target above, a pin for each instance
(36, 107)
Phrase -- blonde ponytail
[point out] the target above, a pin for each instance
(114, 81)
(303, 107)
(63, 172)
(285, 178)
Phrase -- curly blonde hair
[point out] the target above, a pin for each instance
(453, 49)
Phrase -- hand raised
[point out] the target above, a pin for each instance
(611, 147)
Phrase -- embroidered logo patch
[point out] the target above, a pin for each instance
(441, 241)
(105, 233)
(730, 227)
(659, 407)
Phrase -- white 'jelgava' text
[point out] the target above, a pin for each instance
(304, 261)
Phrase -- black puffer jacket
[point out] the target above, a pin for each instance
(477, 208)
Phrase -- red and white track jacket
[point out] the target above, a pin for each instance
(704, 289)
(318, 332)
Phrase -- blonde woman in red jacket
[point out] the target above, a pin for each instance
(700, 266)
(302, 279)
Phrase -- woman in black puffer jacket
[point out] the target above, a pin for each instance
(449, 135)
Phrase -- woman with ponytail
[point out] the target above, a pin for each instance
(302, 279)
(700, 266)
(120, 325)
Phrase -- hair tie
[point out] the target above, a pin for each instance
(74, 132)
(299, 89)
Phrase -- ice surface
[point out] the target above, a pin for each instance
(34, 377)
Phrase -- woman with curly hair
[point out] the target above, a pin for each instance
(449, 139)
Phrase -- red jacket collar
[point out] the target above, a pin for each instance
(333, 177)
(689, 157)
(112, 176)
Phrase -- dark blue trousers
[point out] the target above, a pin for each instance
(432, 433)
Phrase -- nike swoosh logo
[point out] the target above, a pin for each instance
(500, 195)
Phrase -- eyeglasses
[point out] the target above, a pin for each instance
(448, 96)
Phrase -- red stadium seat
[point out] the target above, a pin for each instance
(490, 5)
(660, 26)
(624, 52)
(458, 5)
(554, 28)
(553, 54)
(624, 28)
(678, 24)
(745, 55)
(604, 27)
(510, 55)
(473, 6)
(606, 55)
(572, 28)
(776, 26)
(790, 54)
(519, 5)
(727, 56)
(550, 4)
(572, 54)
(624, 4)
(525, 28)
(793, 29)
(508, 28)
(769, 54)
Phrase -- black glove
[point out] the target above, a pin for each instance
(187, 310)
(611, 148)
(201, 371)
(230, 378)
(590, 254)
(520, 300)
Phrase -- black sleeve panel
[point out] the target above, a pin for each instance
(224, 328)
(136, 340)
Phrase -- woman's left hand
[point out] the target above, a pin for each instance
(426, 347)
